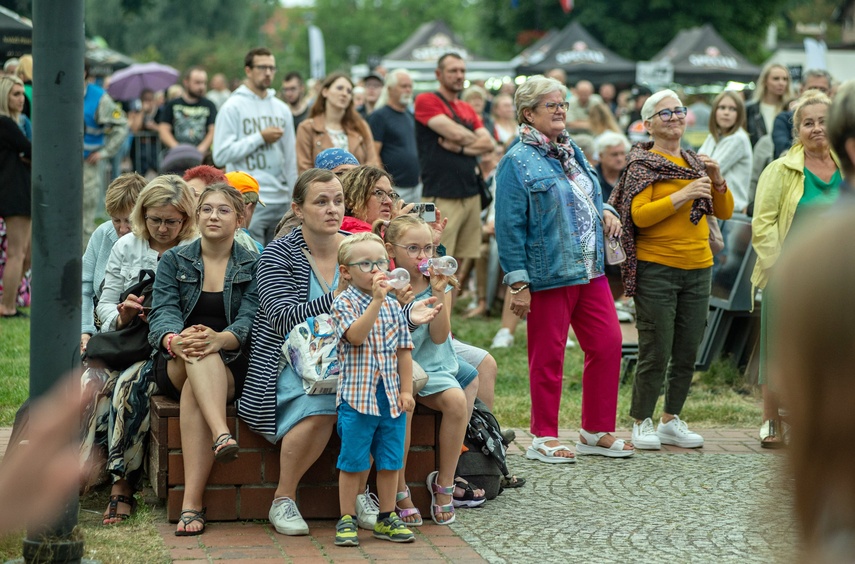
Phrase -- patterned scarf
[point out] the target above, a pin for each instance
(643, 169)
(560, 150)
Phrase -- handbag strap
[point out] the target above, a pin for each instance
(321, 280)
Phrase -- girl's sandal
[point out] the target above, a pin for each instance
(404, 513)
(223, 451)
(435, 489)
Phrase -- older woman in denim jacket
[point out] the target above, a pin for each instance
(204, 301)
(550, 227)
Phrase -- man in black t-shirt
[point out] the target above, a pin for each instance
(189, 119)
(394, 131)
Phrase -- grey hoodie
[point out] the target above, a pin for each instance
(238, 144)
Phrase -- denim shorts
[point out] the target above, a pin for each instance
(380, 436)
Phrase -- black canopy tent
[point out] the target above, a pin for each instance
(701, 56)
(579, 54)
(420, 52)
(16, 35)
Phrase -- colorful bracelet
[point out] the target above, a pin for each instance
(169, 345)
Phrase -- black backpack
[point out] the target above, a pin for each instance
(484, 464)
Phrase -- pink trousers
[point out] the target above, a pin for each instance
(590, 309)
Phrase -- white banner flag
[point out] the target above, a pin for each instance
(317, 57)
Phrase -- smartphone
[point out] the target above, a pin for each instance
(426, 211)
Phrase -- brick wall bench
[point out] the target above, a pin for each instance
(244, 489)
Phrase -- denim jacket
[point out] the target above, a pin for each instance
(178, 285)
(536, 228)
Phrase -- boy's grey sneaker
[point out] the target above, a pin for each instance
(346, 533)
(393, 529)
(676, 432)
(286, 518)
(367, 509)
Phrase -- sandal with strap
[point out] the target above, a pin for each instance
(770, 434)
(512, 481)
(188, 516)
(403, 513)
(113, 507)
(591, 441)
(538, 444)
(469, 497)
(435, 489)
(223, 451)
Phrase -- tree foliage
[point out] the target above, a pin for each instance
(636, 30)
(378, 26)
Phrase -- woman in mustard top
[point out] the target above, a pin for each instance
(806, 179)
(664, 200)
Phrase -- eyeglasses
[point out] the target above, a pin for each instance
(382, 195)
(414, 250)
(666, 114)
(368, 265)
(265, 68)
(555, 106)
(222, 211)
(158, 221)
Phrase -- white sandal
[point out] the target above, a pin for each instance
(539, 443)
(590, 446)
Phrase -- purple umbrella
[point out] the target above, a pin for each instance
(128, 83)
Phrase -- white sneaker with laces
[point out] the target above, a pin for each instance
(286, 518)
(503, 339)
(644, 436)
(676, 432)
(367, 510)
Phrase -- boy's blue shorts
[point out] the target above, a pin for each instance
(465, 372)
(380, 436)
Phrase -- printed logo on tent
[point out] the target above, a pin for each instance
(713, 58)
(579, 54)
(438, 45)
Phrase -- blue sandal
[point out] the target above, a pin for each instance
(435, 489)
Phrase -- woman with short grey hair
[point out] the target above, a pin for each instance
(664, 199)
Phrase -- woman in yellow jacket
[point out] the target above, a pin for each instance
(805, 179)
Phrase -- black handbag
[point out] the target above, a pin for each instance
(121, 348)
(483, 189)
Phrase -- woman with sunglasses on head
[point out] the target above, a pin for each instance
(665, 198)
(551, 227)
(203, 304)
(163, 218)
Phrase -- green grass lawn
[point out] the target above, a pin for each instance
(718, 399)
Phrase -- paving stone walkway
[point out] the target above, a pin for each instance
(727, 502)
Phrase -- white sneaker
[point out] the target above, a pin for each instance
(570, 343)
(286, 518)
(503, 339)
(676, 432)
(644, 437)
(367, 510)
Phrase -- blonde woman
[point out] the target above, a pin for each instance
(15, 194)
(163, 218)
(770, 99)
